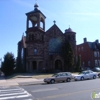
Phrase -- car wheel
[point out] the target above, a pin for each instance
(47, 82)
(82, 78)
(68, 79)
(52, 81)
(99, 75)
(94, 77)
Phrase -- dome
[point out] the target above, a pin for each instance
(69, 30)
(36, 5)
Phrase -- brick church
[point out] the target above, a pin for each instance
(39, 49)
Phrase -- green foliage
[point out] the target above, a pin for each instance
(78, 66)
(8, 64)
(68, 56)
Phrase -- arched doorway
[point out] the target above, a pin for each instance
(34, 65)
(58, 65)
(40, 65)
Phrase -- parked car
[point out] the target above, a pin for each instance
(59, 77)
(97, 69)
(88, 74)
(85, 68)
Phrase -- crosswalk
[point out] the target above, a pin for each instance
(12, 93)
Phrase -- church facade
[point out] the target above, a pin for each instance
(39, 49)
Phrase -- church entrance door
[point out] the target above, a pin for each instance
(58, 65)
(34, 65)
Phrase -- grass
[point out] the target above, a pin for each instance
(42, 76)
(32, 75)
(47, 75)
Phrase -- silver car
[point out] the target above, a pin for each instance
(88, 74)
(59, 77)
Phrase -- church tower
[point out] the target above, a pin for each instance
(35, 31)
(36, 18)
(70, 36)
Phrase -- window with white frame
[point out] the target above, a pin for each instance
(88, 63)
(95, 54)
(96, 63)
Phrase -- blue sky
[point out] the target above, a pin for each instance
(83, 16)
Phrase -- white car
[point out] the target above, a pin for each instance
(88, 74)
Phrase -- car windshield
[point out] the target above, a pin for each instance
(98, 68)
(82, 73)
(54, 75)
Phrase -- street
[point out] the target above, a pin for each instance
(75, 90)
(79, 90)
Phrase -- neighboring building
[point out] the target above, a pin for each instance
(21, 59)
(89, 53)
(41, 49)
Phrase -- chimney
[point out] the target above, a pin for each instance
(85, 40)
(97, 41)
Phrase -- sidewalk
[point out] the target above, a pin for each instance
(24, 79)
(20, 81)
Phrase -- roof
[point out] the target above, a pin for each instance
(23, 41)
(36, 10)
(94, 45)
(54, 26)
(69, 30)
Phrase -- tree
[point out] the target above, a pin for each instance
(8, 64)
(68, 56)
(78, 66)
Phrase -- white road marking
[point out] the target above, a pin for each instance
(11, 93)
(12, 97)
(48, 89)
(10, 90)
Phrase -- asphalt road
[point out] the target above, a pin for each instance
(77, 90)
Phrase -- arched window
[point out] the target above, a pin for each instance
(35, 51)
(42, 37)
(32, 36)
(41, 24)
(73, 37)
(69, 37)
(30, 24)
(35, 24)
(29, 37)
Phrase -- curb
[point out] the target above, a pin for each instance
(24, 77)
(25, 84)
(31, 83)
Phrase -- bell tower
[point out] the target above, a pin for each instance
(36, 18)
(35, 25)
(35, 31)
